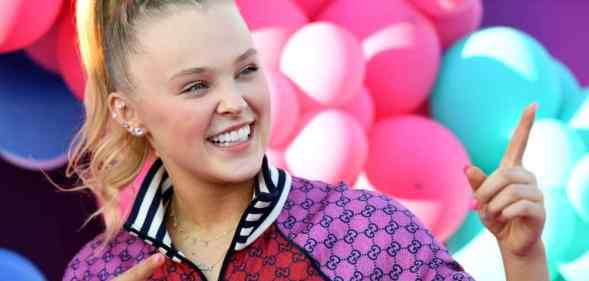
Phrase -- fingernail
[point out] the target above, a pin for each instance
(534, 106)
(474, 204)
(465, 169)
(159, 258)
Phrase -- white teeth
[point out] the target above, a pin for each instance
(230, 138)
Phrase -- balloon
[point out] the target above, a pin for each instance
(270, 42)
(553, 150)
(15, 267)
(284, 109)
(578, 188)
(326, 62)
(44, 51)
(580, 120)
(469, 229)
(272, 14)
(559, 229)
(38, 116)
(401, 48)
(453, 19)
(481, 258)
(68, 56)
(361, 106)
(419, 162)
(485, 82)
(572, 97)
(276, 157)
(331, 147)
(312, 7)
(22, 22)
(577, 270)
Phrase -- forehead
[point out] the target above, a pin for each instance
(211, 35)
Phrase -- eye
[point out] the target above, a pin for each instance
(195, 87)
(250, 69)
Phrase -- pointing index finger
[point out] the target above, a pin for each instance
(517, 146)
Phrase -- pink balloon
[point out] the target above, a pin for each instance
(401, 47)
(22, 22)
(362, 108)
(270, 42)
(271, 14)
(68, 56)
(419, 161)
(312, 7)
(331, 147)
(453, 19)
(284, 109)
(326, 62)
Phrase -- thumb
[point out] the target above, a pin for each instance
(475, 177)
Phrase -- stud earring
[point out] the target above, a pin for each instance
(119, 105)
(137, 131)
(126, 125)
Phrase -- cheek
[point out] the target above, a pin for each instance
(178, 123)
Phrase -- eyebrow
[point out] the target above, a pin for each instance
(198, 70)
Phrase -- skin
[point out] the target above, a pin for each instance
(212, 188)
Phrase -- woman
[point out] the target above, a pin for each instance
(180, 81)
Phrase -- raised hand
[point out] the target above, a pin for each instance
(509, 201)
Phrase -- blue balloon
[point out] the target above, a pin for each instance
(559, 229)
(572, 97)
(578, 188)
(580, 120)
(485, 82)
(38, 114)
(14, 267)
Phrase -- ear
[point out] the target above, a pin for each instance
(124, 111)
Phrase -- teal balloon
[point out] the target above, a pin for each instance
(552, 152)
(578, 188)
(577, 270)
(15, 267)
(469, 229)
(559, 229)
(580, 120)
(485, 82)
(572, 96)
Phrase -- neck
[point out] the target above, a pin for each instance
(211, 207)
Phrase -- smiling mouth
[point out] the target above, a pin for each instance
(235, 137)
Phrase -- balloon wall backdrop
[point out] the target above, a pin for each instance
(396, 96)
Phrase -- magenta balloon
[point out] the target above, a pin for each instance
(332, 147)
(312, 7)
(22, 22)
(68, 57)
(326, 62)
(44, 51)
(453, 19)
(284, 109)
(401, 46)
(270, 14)
(421, 162)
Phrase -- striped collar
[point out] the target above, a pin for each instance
(146, 219)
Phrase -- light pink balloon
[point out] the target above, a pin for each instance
(325, 61)
(331, 147)
(362, 108)
(312, 7)
(22, 22)
(68, 56)
(284, 109)
(401, 47)
(419, 161)
(270, 14)
(270, 42)
(453, 19)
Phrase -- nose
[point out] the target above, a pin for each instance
(231, 102)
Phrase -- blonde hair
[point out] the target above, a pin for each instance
(104, 156)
